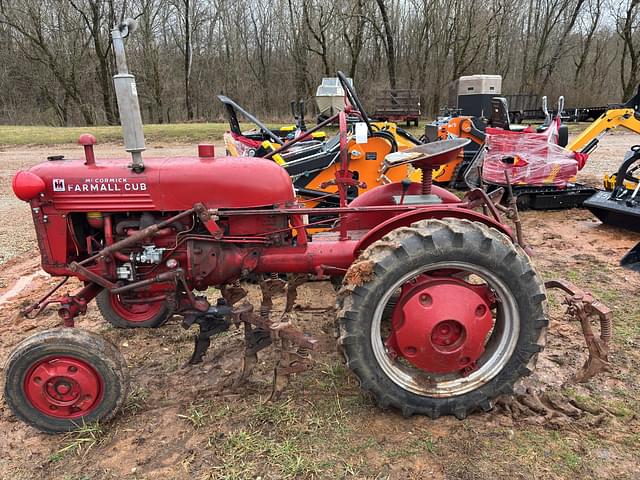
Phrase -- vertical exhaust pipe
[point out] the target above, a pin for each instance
(127, 95)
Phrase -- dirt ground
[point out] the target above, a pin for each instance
(186, 422)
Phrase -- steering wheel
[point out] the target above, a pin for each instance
(353, 99)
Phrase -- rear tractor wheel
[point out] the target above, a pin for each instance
(59, 379)
(447, 316)
(121, 312)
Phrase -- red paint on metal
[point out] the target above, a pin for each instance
(88, 141)
(135, 312)
(27, 185)
(206, 150)
(63, 387)
(440, 324)
(166, 184)
(383, 195)
(317, 254)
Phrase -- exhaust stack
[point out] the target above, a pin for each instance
(127, 95)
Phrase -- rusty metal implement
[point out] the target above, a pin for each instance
(584, 307)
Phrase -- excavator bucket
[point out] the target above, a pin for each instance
(621, 207)
(631, 260)
(610, 211)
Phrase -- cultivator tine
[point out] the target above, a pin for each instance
(291, 359)
(583, 307)
(270, 288)
(255, 340)
(293, 346)
(293, 282)
(233, 293)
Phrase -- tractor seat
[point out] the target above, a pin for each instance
(428, 155)
(500, 116)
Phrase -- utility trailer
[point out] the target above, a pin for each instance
(524, 106)
(586, 114)
(398, 105)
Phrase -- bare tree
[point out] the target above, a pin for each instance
(56, 57)
(99, 17)
(627, 27)
(387, 38)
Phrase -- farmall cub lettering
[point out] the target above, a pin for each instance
(98, 185)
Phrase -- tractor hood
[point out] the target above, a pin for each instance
(166, 184)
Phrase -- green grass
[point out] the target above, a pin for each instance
(178, 132)
(80, 441)
(17, 135)
(11, 135)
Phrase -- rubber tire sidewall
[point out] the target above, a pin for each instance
(103, 301)
(103, 356)
(355, 320)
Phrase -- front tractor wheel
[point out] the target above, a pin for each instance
(123, 312)
(59, 379)
(441, 317)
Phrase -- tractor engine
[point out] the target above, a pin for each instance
(79, 209)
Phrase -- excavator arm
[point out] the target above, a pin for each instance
(627, 116)
(587, 141)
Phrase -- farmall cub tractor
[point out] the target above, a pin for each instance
(439, 307)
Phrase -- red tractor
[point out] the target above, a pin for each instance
(439, 310)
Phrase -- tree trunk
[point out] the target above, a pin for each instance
(389, 46)
(188, 53)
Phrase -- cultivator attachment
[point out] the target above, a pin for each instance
(293, 346)
(583, 307)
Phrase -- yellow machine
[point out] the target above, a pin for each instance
(313, 167)
(625, 116)
(587, 141)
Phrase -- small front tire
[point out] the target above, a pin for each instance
(59, 379)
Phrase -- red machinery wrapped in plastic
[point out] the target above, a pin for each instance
(531, 158)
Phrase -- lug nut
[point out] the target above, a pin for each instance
(426, 300)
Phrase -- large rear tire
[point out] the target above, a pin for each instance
(136, 315)
(60, 379)
(486, 279)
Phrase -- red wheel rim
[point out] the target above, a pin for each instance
(135, 312)
(440, 324)
(63, 387)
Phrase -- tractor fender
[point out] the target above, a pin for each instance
(437, 212)
(383, 195)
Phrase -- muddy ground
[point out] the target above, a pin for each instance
(186, 422)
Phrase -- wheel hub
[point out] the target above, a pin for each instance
(134, 312)
(63, 387)
(440, 324)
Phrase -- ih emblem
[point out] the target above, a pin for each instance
(58, 185)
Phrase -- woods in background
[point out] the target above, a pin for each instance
(56, 61)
